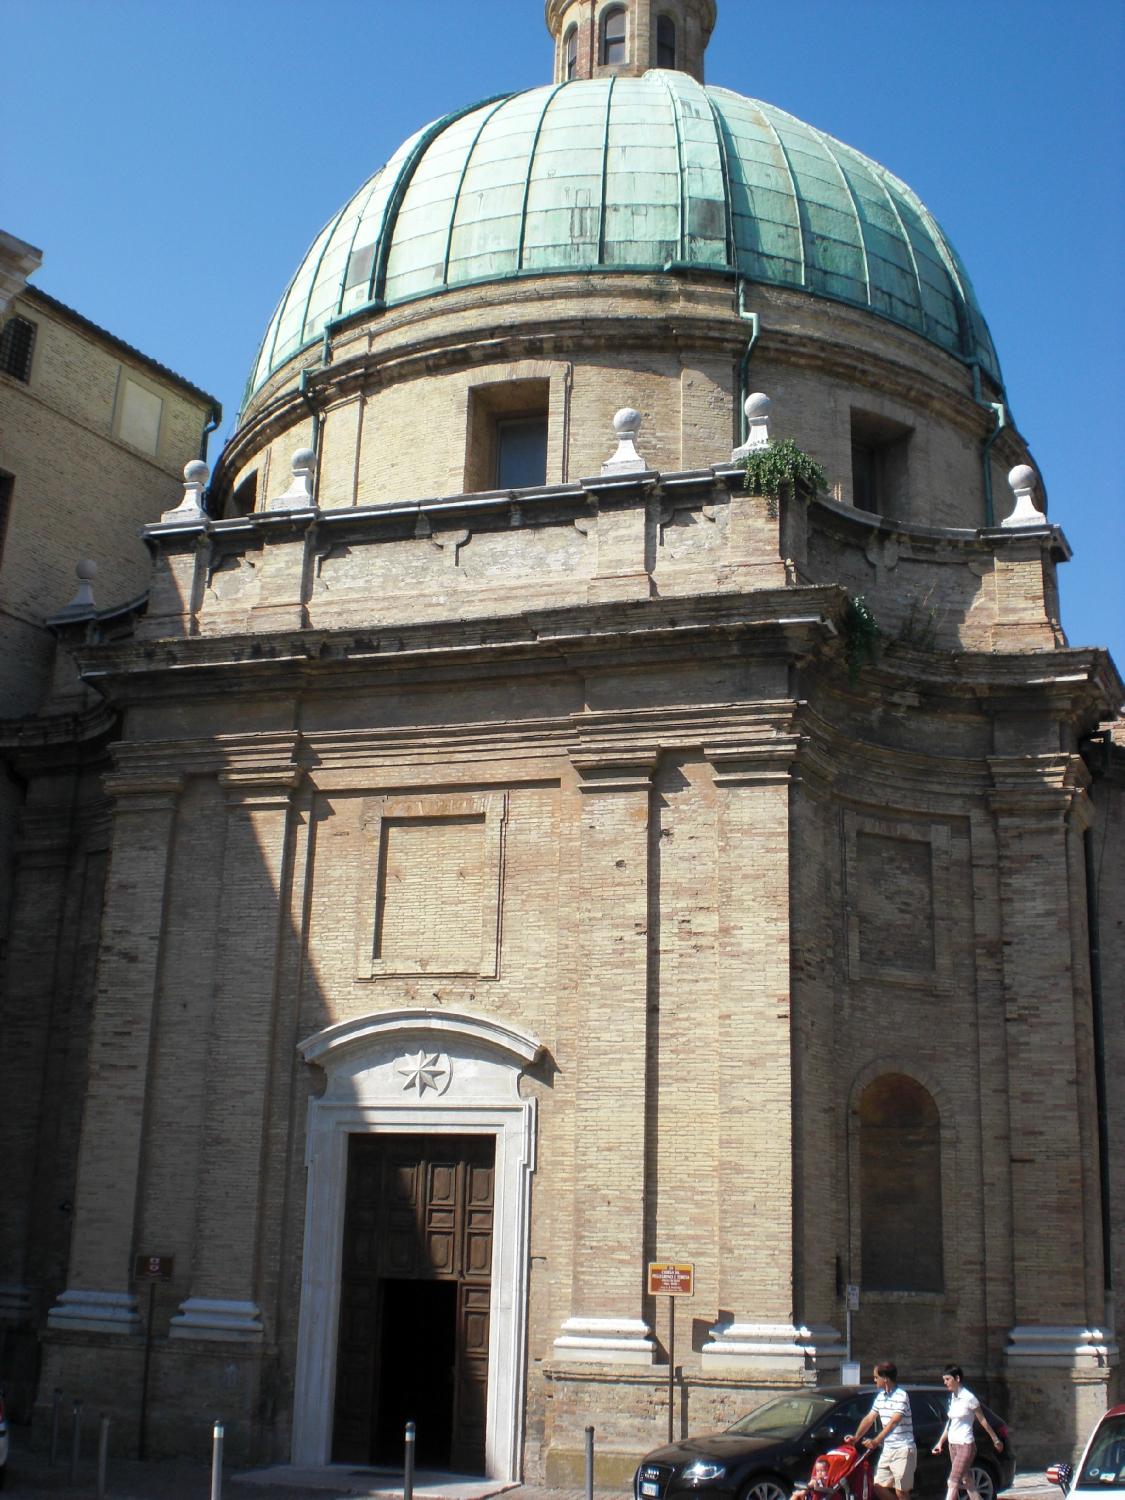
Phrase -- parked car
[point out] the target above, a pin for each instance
(771, 1449)
(3, 1441)
(1102, 1465)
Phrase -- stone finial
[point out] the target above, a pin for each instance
(626, 460)
(1026, 513)
(190, 508)
(85, 570)
(757, 408)
(299, 495)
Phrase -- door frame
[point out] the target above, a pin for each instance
(374, 1085)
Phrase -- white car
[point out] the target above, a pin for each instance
(1102, 1466)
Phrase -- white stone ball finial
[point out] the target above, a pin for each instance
(85, 570)
(190, 508)
(626, 459)
(299, 495)
(1026, 512)
(757, 408)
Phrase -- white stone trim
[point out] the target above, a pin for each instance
(616, 1341)
(774, 1347)
(95, 1312)
(366, 1092)
(217, 1318)
(1061, 1346)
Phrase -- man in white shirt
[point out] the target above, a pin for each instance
(898, 1453)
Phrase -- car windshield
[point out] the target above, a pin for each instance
(1105, 1462)
(784, 1417)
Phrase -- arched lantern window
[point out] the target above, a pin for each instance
(570, 52)
(665, 42)
(613, 35)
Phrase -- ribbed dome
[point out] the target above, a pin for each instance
(634, 174)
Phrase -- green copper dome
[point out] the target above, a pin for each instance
(634, 174)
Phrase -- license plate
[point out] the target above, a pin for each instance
(649, 1488)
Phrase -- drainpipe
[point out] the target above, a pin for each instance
(744, 367)
(303, 390)
(214, 417)
(1000, 411)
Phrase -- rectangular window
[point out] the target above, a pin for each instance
(17, 342)
(506, 436)
(521, 452)
(880, 464)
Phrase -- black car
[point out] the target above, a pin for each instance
(766, 1453)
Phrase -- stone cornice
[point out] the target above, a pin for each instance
(776, 621)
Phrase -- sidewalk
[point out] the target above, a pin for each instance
(30, 1477)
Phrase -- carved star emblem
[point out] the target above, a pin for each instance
(424, 1070)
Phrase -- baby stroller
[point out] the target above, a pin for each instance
(848, 1475)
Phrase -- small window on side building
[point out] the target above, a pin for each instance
(7, 485)
(613, 36)
(665, 42)
(139, 411)
(17, 343)
(570, 52)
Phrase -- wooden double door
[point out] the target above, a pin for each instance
(414, 1300)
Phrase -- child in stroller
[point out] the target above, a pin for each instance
(843, 1473)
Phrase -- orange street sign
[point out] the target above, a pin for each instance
(671, 1278)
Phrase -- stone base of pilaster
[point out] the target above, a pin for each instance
(1060, 1378)
(15, 1304)
(801, 1352)
(218, 1318)
(95, 1312)
(614, 1341)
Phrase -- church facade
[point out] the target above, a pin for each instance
(539, 851)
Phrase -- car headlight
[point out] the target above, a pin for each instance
(703, 1470)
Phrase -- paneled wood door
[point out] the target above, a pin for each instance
(415, 1299)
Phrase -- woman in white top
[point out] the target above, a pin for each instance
(964, 1410)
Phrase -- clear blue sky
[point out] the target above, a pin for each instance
(173, 160)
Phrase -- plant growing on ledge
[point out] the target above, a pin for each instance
(780, 463)
(861, 635)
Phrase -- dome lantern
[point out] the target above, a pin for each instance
(625, 38)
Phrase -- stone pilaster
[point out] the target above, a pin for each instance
(224, 1301)
(98, 1296)
(606, 1323)
(763, 1336)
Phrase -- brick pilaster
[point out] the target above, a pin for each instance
(224, 1288)
(98, 1295)
(606, 1322)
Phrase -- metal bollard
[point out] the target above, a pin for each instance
(589, 1463)
(75, 1442)
(408, 1464)
(103, 1454)
(56, 1415)
(217, 1462)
